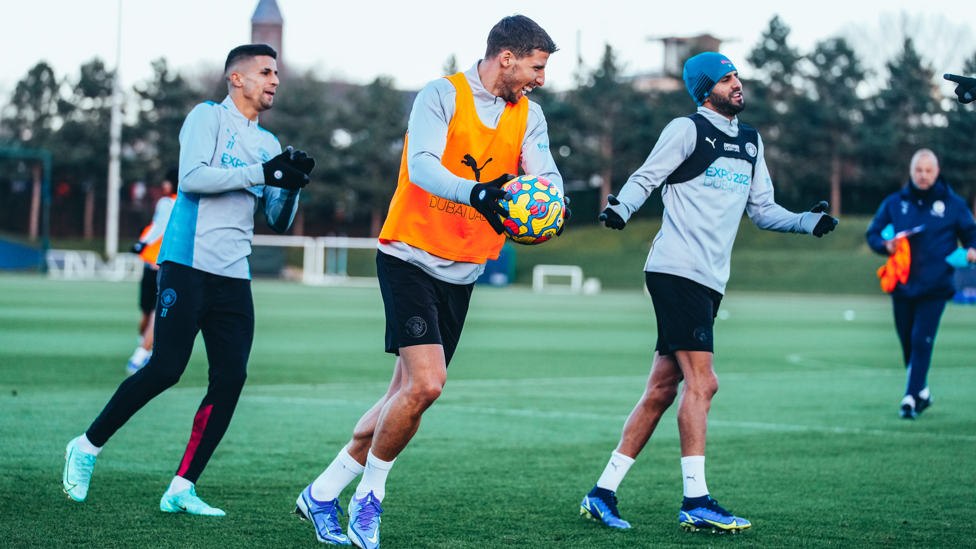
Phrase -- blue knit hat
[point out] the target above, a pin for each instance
(703, 71)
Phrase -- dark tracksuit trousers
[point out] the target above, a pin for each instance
(917, 322)
(190, 301)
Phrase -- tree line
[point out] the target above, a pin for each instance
(825, 136)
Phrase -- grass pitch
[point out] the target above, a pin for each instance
(804, 437)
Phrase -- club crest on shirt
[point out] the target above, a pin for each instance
(265, 155)
(938, 208)
(751, 150)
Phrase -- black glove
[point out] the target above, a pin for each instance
(138, 247)
(966, 90)
(611, 218)
(302, 162)
(485, 197)
(826, 223)
(566, 215)
(278, 172)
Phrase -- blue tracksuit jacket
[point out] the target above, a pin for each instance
(947, 221)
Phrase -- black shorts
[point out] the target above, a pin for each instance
(420, 309)
(685, 312)
(148, 289)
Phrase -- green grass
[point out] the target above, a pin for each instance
(804, 437)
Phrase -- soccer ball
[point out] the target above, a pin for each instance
(535, 211)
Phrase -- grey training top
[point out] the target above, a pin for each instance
(701, 216)
(432, 112)
(221, 182)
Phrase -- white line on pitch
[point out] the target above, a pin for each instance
(551, 414)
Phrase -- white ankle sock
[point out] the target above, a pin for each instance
(178, 485)
(693, 475)
(374, 478)
(617, 467)
(86, 446)
(343, 470)
(140, 356)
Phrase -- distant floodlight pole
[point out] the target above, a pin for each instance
(114, 152)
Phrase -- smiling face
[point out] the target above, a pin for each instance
(253, 83)
(726, 97)
(520, 76)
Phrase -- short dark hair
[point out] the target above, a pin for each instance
(248, 51)
(520, 35)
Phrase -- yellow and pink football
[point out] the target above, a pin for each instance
(535, 212)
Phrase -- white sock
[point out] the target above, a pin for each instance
(343, 470)
(178, 485)
(139, 356)
(924, 394)
(693, 474)
(86, 446)
(374, 478)
(617, 467)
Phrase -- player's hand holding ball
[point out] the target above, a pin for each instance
(610, 218)
(484, 198)
(281, 171)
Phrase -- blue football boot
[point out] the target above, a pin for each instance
(364, 521)
(601, 504)
(78, 468)
(324, 515)
(705, 513)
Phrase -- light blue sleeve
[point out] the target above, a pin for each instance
(280, 205)
(674, 146)
(427, 138)
(198, 138)
(160, 218)
(536, 157)
(766, 213)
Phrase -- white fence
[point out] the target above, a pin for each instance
(87, 265)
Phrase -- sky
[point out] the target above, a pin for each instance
(412, 40)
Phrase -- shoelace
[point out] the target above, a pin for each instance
(370, 510)
(333, 523)
(612, 504)
(715, 507)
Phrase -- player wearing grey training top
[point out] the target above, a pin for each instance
(432, 112)
(228, 166)
(714, 171)
(467, 134)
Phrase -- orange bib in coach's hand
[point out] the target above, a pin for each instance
(474, 151)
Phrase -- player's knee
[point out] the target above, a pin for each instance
(236, 378)
(704, 386)
(662, 395)
(425, 392)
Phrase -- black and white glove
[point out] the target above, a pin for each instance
(280, 172)
(826, 223)
(966, 90)
(484, 198)
(566, 215)
(610, 217)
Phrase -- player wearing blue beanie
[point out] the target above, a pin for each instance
(715, 171)
(703, 71)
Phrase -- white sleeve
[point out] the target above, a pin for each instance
(536, 157)
(674, 146)
(164, 206)
(763, 209)
(426, 140)
(198, 138)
